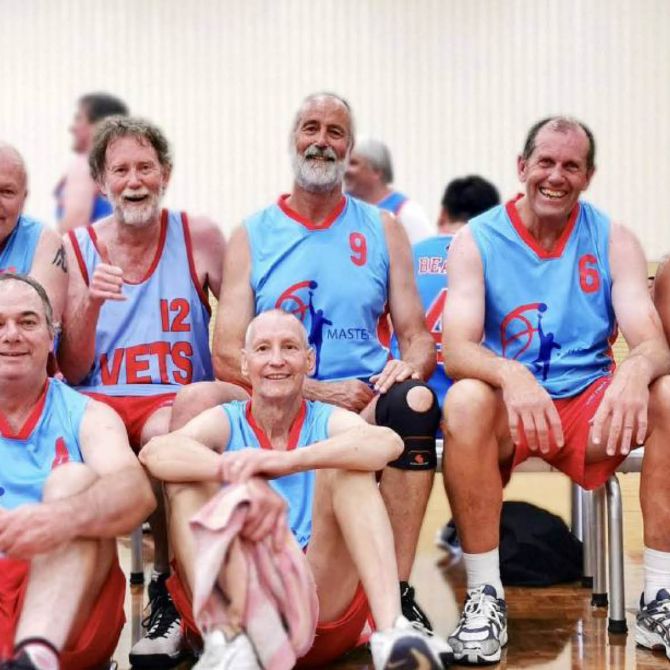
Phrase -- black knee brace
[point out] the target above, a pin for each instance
(417, 429)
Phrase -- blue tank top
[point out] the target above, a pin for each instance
(158, 338)
(101, 206)
(393, 202)
(550, 310)
(430, 261)
(334, 277)
(311, 425)
(19, 248)
(49, 437)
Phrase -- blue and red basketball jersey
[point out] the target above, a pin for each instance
(311, 425)
(430, 260)
(19, 248)
(333, 277)
(552, 311)
(393, 202)
(48, 438)
(158, 338)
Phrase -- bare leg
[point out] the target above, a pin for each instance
(71, 576)
(196, 398)
(474, 416)
(348, 546)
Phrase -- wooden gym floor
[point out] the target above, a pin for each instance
(553, 628)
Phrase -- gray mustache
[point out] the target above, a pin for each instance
(317, 152)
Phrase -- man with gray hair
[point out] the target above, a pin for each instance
(26, 246)
(369, 176)
(338, 264)
(137, 323)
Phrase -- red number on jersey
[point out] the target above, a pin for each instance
(360, 248)
(434, 321)
(589, 278)
(179, 323)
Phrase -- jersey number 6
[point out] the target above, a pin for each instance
(589, 279)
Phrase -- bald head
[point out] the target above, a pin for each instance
(273, 319)
(12, 161)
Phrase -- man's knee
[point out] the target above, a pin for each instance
(470, 404)
(196, 398)
(411, 409)
(659, 404)
(67, 480)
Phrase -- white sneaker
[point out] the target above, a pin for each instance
(219, 654)
(407, 647)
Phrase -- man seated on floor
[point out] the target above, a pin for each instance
(69, 484)
(345, 549)
(536, 290)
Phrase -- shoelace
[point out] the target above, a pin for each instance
(419, 620)
(661, 614)
(162, 615)
(480, 608)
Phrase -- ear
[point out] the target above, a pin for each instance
(521, 168)
(311, 360)
(589, 176)
(167, 173)
(244, 364)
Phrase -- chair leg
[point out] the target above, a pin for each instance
(137, 567)
(576, 511)
(587, 538)
(617, 613)
(598, 519)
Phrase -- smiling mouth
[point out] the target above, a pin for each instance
(277, 377)
(136, 198)
(13, 354)
(551, 193)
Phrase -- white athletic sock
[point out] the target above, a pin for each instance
(484, 569)
(656, 573)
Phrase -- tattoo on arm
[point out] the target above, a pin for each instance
(60, 259)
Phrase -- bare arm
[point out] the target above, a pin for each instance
(352, 444)
(235, 311)
(416, 344)
(192, 453)
(662, 294)
(626, 400)
(51, 270)
(77, 347)
(78, 195)
(208, 251)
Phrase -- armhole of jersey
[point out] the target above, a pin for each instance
(223, 407)
(480, 243)
(77, 252)
(191, 263)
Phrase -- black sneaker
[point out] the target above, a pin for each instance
(652, 623)
(21, 662)
(410, 610)
(163, 643)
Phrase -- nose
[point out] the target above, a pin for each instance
(556, 174)
(134, 177)
(11, 332)
(276, 357)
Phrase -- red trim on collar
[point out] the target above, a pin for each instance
(30, 422)
(80, 259)
(310, 225)
(557, 250)
(293, 434)
(157, 255)
(200, 290)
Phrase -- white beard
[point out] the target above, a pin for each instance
(318, 176)
(138, 216)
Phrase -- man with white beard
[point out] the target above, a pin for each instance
(338, 264)
(136, 326)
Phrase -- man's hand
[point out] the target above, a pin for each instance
(240, 466)
(351, 394)
(31, 529)
(530, 410)
(394, 371)
(625, 404)
(107, 279)
(267, 514)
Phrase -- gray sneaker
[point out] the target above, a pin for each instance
(652, 623)
(482, 630)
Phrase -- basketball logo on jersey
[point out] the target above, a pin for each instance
(520, 329)
(299, 301)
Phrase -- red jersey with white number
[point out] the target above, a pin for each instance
(550, 310)
(333, 276)
(158, 338)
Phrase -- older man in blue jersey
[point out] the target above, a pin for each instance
(136, 327)
(320, 461)
(536, 289)
(26, 246)
(69, 483)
